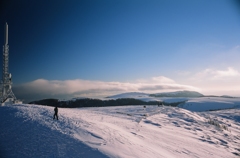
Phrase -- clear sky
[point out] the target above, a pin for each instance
(96, 48)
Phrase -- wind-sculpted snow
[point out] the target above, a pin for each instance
(127, 131)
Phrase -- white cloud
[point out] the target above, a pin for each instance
(230, 72)
(42, 88)
(209, 81)
(162, 79)
(214, 74)
(217, 81)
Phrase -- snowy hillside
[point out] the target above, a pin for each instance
(157, 96)
(190, 103)
(135, 95)
(178, 94)
(210, 103)
(128, 131)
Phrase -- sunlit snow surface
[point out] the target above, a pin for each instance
(210, 103)
(129, 131)
(189, 103)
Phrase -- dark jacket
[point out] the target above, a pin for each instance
(56, 110)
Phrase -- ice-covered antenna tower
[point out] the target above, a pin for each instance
(7, 96)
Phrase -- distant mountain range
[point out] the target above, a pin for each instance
(178, 94)
(130, 98)
(164, 94)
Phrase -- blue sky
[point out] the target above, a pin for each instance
(192, 44)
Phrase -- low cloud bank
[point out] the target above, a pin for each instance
(41, 88)
(211, 81)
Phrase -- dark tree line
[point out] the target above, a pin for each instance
(93, 102)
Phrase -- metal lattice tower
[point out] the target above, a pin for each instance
(6, 76)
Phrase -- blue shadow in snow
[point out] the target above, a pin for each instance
(21, 138)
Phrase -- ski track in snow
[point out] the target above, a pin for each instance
(128, 131)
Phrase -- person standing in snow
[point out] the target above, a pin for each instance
(55, 113)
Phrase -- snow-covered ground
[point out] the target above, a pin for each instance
(210, 103)
(128, 131)
(189, 103)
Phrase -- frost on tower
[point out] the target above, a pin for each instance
(7, 96)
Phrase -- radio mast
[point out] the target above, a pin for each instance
(7, 95)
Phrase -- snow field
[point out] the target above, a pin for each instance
(134, 131)
(210, 103)
(190, 103)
